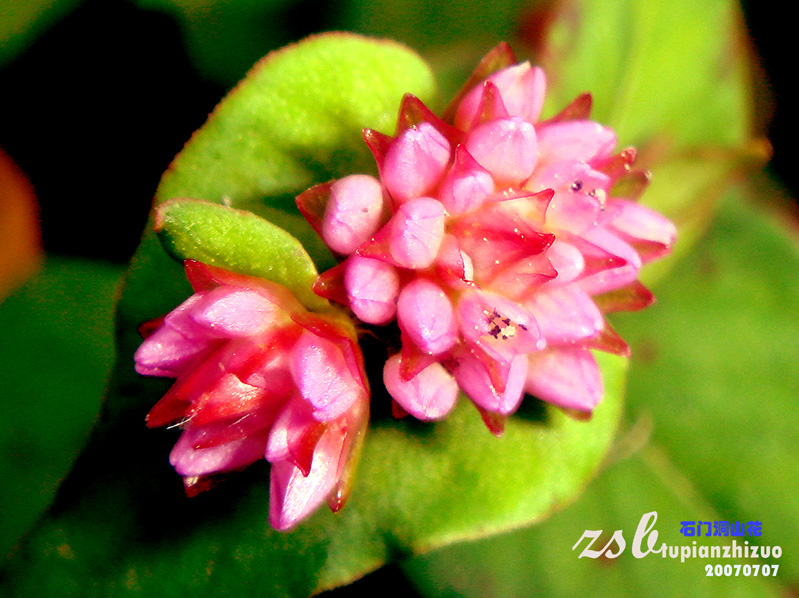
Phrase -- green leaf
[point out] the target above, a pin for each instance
(676, 70)
(712, 437)
(296, 120)
(57, 353)
(238, 241)
(121, 522)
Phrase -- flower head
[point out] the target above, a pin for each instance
(497, 241)
(258, 376)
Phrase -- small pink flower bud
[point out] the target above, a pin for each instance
(416, 232)
(425, 313)
(353, 213)
(507, 148)
(372, 286)
(522, 88)
(415, 162)
(429, 395)
(466, 186)
(499, 391)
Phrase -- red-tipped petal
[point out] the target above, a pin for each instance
(312, 204)
(499, 57)
(631, 297)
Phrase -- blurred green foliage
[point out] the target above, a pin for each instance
(57, 352)
(22, 21)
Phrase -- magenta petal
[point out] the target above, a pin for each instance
(475, 380)
(521, 87)
(523, 278)
(567, 260)
(497, 325)
(429, 395)
(582, 140)
(236, 312)
(417, 230)
(614, 276)
(466, 186)
(565, 376)
(372, 288)
(415, 162)
(425, 314)
(506, 147)
(322, 376)
(289, 425)
(167, 352)
(641, 224)
(189, 461)
(294, 496)
(353, 212)
(580, 194)
(565, 313)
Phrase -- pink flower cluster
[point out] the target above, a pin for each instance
(497, 242)
(258, 376)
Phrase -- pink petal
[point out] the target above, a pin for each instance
(520, 279)
(294, 496)
(615, 276)
(372, 288)
(581, 140)
(565, 313)
(189, 461)
(253, 424)
(323, 377)
(417, 230)
(497, 325)
(507, 148)
(467, 184)
(353, 212)
(203, 374)
(476, 381)
(236, 312)
(521, 87)
(642, 226)
(580, 194)
(565, 376)
(168, 352)
(453, 267)
(229, 398)
(294, 436)
(425, 314)
(496, 237)
(567, 260)
(415, 162)
(429, 395)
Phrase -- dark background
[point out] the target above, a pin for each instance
(95, 109)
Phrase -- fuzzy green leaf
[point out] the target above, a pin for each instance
(240, 241)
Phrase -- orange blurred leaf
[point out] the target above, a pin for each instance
(20, 235)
